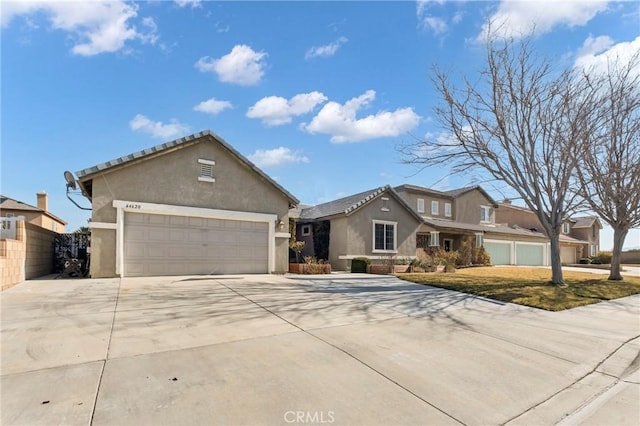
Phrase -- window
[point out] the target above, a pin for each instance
(447, 209)
(485, 214)
(385, 204)
(565, 227)
(593, 248)
(420, 205)
(479, 240)
(434, 208)
(206, 170)
(384, 236)
(434, 240)
(305, 230)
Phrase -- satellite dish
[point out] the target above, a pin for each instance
(71, 181)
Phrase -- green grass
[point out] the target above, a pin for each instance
(531, 286)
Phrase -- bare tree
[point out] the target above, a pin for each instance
(609, 173)
(520, 123)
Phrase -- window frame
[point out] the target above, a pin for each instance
(565, 228)
(447, 210)
(485, 209)
(434, 239)
(302, 230)
(420, 205)
(385, 224)
(435, 211)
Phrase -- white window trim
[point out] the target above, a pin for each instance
(447, 209)
(488, 210)
(436, 211)
(302, 228)
(207, 163)
(395, 236)
(385, 204)
(420, 205)
(565, 228)
(434, 239)
(479, 240)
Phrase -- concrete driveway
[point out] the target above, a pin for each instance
(339, 349)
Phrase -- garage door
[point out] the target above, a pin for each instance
(529, 254)
(500, 253)
(179, 245)
(568, 254)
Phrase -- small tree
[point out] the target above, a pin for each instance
(297, 247)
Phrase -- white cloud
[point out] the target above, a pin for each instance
(437, 25)
(597, 52)
(519, 18)
(326, 50)
(275, 111)
(276, 157)
(241, 66)
(96, 27)
(193, 3)
(158, 129)
(212, 106)
(341, 123)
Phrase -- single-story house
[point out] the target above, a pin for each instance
(193, 205)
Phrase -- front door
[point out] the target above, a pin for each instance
(448, 245)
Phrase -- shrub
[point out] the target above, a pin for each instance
(603, 257)
(297, 247)
(313, 266)
(465, 252)
(481, 257)
(359, 264)
(446, 258)
(585, 261)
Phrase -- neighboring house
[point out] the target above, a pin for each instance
(39, 215)
(403, 220)
(376, 224)
(451, 216)
(580, 236)
(194, 205)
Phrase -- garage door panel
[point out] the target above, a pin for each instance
(500, 253)
(172, 245)
(529, 254)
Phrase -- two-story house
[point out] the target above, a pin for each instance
(403, 220)
(37, 215)
(579, 237)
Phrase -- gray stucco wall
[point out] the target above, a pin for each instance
(467, 207)
(353, 235)
(411, 198)
(172, 178)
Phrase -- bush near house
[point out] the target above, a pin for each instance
(602, 258)
(359, 264)
(585, 261)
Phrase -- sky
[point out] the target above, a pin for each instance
(320, 95)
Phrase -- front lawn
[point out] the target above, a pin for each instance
(530, 286)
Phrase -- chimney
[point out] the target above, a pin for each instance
(506, 201)
(43, 202)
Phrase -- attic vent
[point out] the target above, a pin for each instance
(206, 170)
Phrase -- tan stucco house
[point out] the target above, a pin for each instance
(580, 236)
(37, 215)
(403, 220)
(193, 205)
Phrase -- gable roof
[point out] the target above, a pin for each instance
(585, 222)
(86, 175)
(7, 203)
(453, 193)
(348, 205)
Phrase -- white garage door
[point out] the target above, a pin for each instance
(529, 254)
(568, 254)
(180, 245)
(500, 253)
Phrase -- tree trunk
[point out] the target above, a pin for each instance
(556, 262)
(619, 235)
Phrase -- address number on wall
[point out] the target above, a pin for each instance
(133, 206)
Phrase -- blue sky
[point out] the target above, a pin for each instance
(318, 94)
